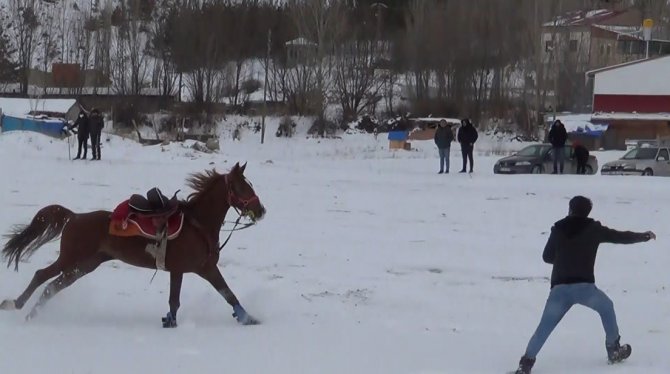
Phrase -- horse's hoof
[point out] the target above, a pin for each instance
(31, 315)
(246, 320)
(8, 305)
(243, 317)
(250, 321)
(169, 321)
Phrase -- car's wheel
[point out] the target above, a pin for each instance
(589, 170)
(537, 169)
(648, 172)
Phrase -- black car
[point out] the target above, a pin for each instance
(539, 159)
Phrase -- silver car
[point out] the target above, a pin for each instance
(644, 160)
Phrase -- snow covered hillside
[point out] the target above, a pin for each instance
(367, 262)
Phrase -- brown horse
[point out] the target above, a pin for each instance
(86, 242)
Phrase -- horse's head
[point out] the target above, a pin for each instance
(241, 194)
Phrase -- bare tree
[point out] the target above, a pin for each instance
(357, 84)
(417, 50)
(130, 63)
(321, 22)
(23, 30)
(165, 73)
(50, 35)
(9, 67)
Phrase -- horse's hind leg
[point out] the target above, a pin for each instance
(39, 278)
(66, 279)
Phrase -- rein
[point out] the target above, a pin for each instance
(232, 197)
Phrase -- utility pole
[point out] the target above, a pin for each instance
(265, 86)
(647, 26)
(557, 49)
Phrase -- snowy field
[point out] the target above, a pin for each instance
(367, 262)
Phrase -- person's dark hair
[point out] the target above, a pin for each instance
(580, 206)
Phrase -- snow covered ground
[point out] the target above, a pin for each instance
(367, 262)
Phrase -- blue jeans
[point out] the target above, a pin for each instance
(559, 159)
(444, 159)
(561, 299)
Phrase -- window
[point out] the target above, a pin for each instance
(548, 46)
(573, 45)
(532, 151)
(641, 154)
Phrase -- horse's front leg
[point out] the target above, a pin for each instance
(212, 274)
(170, 320)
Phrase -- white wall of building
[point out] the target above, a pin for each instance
(645, 78)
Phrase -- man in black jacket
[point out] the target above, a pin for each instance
(558, 136)
(467, 136)
(82, 134)
(96, 123)
(571, 249)
(443, 138)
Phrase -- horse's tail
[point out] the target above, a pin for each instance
(24, 240)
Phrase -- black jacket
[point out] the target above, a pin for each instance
(82, 126)
(558, 136)
(96, 123)
(581, 153)
(573, 244)
(467, 134)
(443, 137)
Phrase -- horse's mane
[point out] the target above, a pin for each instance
(200, 183)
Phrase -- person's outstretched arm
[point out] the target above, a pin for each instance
(608, 235)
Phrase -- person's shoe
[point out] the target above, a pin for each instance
(440, 172)
(617, 352)
(77, 158)
(525, 365)
(462, 171)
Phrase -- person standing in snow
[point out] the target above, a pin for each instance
(571, 249)
(96, 123)
(558, 136)
(467, 136)
(82, 134)
(582, 157)
(443, 138)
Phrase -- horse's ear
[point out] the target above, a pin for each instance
(243, 168)
(235, 168)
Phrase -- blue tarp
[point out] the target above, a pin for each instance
(52, 127)
(590, 129)
(398, 135)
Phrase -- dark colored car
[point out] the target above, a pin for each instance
(539, 159)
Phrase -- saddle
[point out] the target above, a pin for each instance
(154, 204)
(152, 217)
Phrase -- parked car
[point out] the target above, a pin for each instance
(641, 160)
(539, 159)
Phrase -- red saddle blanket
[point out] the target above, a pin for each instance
(125, 222)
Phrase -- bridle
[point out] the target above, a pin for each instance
(233, 201)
